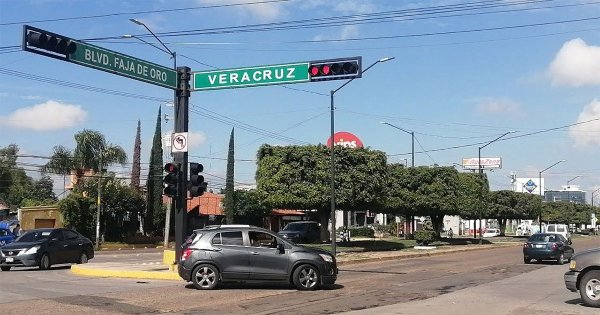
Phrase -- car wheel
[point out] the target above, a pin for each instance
(561, 259)
(527, 260)
(589, 288)
(306, 277)
(83, 258)
(205, 277)
(5, 268)
(45, 262)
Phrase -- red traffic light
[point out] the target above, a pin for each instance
(171, 168)
(335, 69)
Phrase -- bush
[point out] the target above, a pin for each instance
(142, 239)
(361, 232)
(425, 237)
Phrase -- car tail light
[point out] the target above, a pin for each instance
(554, 246)
(185, 254)
(525, 245)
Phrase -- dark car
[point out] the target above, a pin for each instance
(6, 236)
(246, 253)
(301, 232)
(46, 247)
(544, 246)
(584, 275)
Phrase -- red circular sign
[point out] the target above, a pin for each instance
(345, 139)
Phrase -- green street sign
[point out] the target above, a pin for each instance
(114, 62)
(250, 76)
(57, 46)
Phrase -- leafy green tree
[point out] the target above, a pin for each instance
(229, 202)
(507, 204)
(250, 206)
(135, 168)
(299, 177)
(155, 210)
(471, 190)
(8, 163)
(78, 212)
(121, 204)
(92, 152)
(566, 212)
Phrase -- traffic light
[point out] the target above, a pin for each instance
(197, 185)
(171, 179)
(335, 69)
(50, 42)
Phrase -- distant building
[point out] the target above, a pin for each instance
(570, 193)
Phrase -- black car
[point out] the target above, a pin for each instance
(301, 232)
(246, 253)
(46, 247)
(547, 246)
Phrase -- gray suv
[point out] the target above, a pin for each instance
(584, 275)
(237, 253)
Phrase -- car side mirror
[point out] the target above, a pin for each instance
(280, 248)
(570, 242)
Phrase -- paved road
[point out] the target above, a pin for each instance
(360, 287)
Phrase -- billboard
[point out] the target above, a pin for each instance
(530, 185)
(486, 163)
(345, 139)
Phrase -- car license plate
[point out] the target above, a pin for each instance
(10, 259)
(539, 245)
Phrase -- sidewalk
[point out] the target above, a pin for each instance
(156, 270)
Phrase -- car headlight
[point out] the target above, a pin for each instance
(326, 257)
(30, 251)
(573, 265)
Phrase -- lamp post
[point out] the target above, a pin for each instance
(332, 93)
(181, 124)
(569, 188)
(481, 188)
(412, 134)
(541, 187)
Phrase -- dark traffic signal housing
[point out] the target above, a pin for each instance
(171, 179)
(196, 185)
(48, 43)
(335, 69)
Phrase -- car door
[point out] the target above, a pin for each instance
(230, 255)
(567, 249)
(266, 261)
(57, 247)
(74, 246)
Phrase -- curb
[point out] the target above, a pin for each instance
(132, 274)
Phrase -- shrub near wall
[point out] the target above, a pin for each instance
(425, 237)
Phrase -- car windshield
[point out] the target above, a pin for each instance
(33, 236)
(542, 238)
(296, 227)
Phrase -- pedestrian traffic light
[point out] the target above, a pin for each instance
(50, 42)
(196, 185)
(335, 69)
(171, 179)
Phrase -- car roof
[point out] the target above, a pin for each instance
(228, 227)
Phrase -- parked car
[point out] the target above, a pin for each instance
(561, 229)
(545, 246)
(301, 232)
(491, 232)
(6, 236)
(584, 276)
(46, 247)
(225, 253)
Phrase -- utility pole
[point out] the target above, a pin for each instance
(98, 203)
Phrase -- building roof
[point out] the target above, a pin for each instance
(287, 212)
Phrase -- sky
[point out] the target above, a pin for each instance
(463, 74)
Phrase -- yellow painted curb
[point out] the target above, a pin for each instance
(135, 274)
(168, 257)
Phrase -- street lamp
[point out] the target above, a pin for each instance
(569, 188)
(166, 50)
(332, 93)
(541, 187)
(481, 188)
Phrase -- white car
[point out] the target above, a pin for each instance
(491, 232)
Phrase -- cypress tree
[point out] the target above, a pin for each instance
(154, 182)
(229, 201)
(135, 169)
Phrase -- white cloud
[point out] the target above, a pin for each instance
(576, 64)
(499, 106)
(587, 134)
(50, 115)
(31, 97)
(264, 12)
(195, 139)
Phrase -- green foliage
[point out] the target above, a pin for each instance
(78, 212)
(135, 168)
(361, 232)
(154, 182)
(229, 202)
(425, 237)
(566, 212)
(250, 204)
